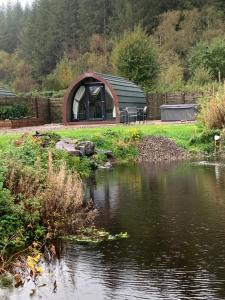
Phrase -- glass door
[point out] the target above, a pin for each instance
(96, 102)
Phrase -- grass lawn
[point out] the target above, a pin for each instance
(180, 133)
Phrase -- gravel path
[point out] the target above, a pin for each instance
(159, 149)
(50, 127)
(54, 127)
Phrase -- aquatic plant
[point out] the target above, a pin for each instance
(92, 235)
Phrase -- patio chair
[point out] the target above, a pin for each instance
(123, 116)
(142, 114)
(132, 113)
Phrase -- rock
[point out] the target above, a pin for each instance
(108, 165)
(94, 165)
(68, 146)
(86, 148)
(107, 153)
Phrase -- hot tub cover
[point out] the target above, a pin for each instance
(178, 106)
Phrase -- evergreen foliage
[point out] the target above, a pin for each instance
(135, 57)
(38, 38)
(210, 56)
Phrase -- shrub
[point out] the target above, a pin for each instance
(16, 111)
(51, 82)
(202, 76)
(52, 197)
(62, 198)
(210, 56)
(23, 82)
(133, 134)
(135, 57)
(212, 113)
(204, 140)
(172, 75)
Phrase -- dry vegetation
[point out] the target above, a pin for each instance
(212, 113)
(58, 194)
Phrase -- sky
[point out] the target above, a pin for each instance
(23, 2)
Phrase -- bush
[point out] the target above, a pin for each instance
(204, 140)
(52, 197)
(40, 192)
(135, 57)
(202, 76)
(210, 56)
(212, 113)
(173, 75)
(16, 111)
(51, 82)
(23, 81)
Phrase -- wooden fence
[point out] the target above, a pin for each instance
(50, 110)
(40, 110)
(154, 101)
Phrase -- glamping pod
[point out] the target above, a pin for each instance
(100, 98)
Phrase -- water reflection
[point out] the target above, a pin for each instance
(175, 215)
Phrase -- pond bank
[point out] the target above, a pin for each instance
(174, 214)
(28, 162)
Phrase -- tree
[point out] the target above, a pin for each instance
(181, 30)
(135, 57)
(210, 56)
(23, 81)
(94, 18)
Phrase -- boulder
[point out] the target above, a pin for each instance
(68, 146)
(86, 148)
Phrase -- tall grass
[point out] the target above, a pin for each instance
(212, 113)
(57, 195)
(62, 198)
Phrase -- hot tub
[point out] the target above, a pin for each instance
(178, 112)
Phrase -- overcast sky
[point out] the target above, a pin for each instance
(23, 2)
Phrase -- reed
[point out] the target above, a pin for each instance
(59, 191)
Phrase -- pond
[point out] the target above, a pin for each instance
(175, 216)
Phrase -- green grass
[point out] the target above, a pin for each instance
(180, 133)
(6, 140)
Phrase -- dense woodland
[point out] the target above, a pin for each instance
(43, 47)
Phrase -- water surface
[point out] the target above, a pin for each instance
(175, 216)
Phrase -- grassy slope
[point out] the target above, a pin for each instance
(181, 134)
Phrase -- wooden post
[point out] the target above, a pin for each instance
(219, 76)
(36, 107)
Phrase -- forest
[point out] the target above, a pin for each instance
(159, 44)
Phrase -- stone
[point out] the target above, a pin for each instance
(107, 153)
(108, 165)
(86, 148)
(94, 165)
(67, 146)
(156, 149)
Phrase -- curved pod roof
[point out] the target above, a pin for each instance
(125, 93)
